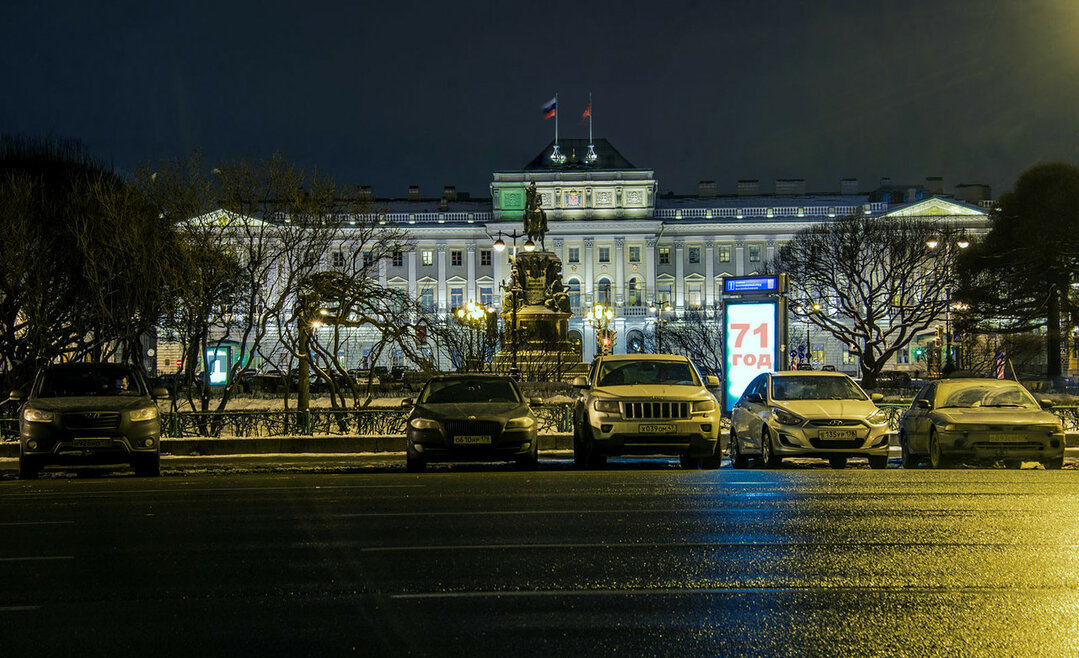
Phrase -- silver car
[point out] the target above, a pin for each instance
(808, 414)
(955, 420)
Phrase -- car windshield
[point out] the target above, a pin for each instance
(815, 388)
(469, 391)
(984, 394)
(95, 380)
(644, 373)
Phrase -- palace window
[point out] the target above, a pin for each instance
(338, 259)
(634, 296)
(398, 259)
(754, 253)
(693, 295)
(664, 294)
(485, 257)
(427, 257)
(487, 297)
(664, 255)
(427, 300)
(574, 255)
(457, 298)
(368, 258)
(694, 254)
(603, 292)
(634, 254)
(573, 288)
(604, 254)
(724, 254)
(456, 257)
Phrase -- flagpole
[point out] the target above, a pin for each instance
(590, 157)
(589, 117)
(556, 120)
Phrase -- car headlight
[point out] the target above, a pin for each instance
(141, 415)
(37, 416)
(947, 427)
(606, 406)
(423, 424)
(785, 417)
(701, 406)
(522, 423)
(878, 417)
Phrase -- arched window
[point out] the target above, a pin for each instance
(635, 342)
(634, 294)
(603, 292)
(573, 289)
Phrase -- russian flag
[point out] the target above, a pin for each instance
(550, 108)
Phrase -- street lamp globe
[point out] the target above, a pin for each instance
(529, 245)
(499, 244)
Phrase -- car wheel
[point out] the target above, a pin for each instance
(738, 460)
(529, 462)
(908, 459)
(715, 460)
(689, 463)
(937, 458)
(837, 463)
(1054, 464)
(147, 465)
(580, 450)
(28, 468)
(414, 464)
(769, 458)
(878, 462)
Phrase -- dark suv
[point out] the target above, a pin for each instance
(90, 413)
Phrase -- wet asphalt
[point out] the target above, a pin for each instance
(332, 557)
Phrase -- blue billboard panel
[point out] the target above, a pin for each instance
(752, 334)
(751, 284)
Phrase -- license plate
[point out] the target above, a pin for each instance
(653, 428)
(471, 439)
(1007, 437)
(837, 434)
(93, 442)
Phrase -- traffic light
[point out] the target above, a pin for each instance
(940, 335)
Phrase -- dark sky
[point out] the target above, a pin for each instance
(398, 93)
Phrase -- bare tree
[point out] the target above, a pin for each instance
(870, 282)
(697, 334)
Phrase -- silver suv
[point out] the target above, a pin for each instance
(646, 404)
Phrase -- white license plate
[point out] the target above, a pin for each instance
(653, 428)
(92, 442)
(837, 434)
(471, 439)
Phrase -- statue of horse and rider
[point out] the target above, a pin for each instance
(535, 220)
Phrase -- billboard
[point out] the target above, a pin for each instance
(752, 338)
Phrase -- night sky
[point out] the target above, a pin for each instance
(398, 93)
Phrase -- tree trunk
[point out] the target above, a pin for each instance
(1052, 336)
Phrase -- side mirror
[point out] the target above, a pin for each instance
(755, 398)
(922, 403)
(159, 393)
(406, 403)
(17, 396)
(876, 397)
(711, 381)
(1045, 404)
(535, 402)
(580, 381)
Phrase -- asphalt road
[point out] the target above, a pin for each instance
(640, 559)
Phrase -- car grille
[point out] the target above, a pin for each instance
(842, 444)
(1006, 445)
(835, 422)
(472, 428)
(666, 410)
(92, 420)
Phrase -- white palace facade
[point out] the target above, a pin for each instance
(625, 245)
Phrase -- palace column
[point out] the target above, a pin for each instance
(740, 258)
(619, 271)
(679, 275)
(586, 294)
(709, 274)
(443, 293)
(471, 265)
(650, 293)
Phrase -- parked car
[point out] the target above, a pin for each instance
(646, 404)
(471, 418)
(808, 414)
(89, 413)
(953, 420)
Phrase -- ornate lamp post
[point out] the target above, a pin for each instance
(474, 316)
(944, 247)
(514, 289)
(659, 309)
(600, 316)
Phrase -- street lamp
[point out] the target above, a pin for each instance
(514, 289)
(600, 316)
(658, 309)
(473, 316)
(945, 247)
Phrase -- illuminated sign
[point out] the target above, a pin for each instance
(217, 365)
(751, 339)
(751, 284)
